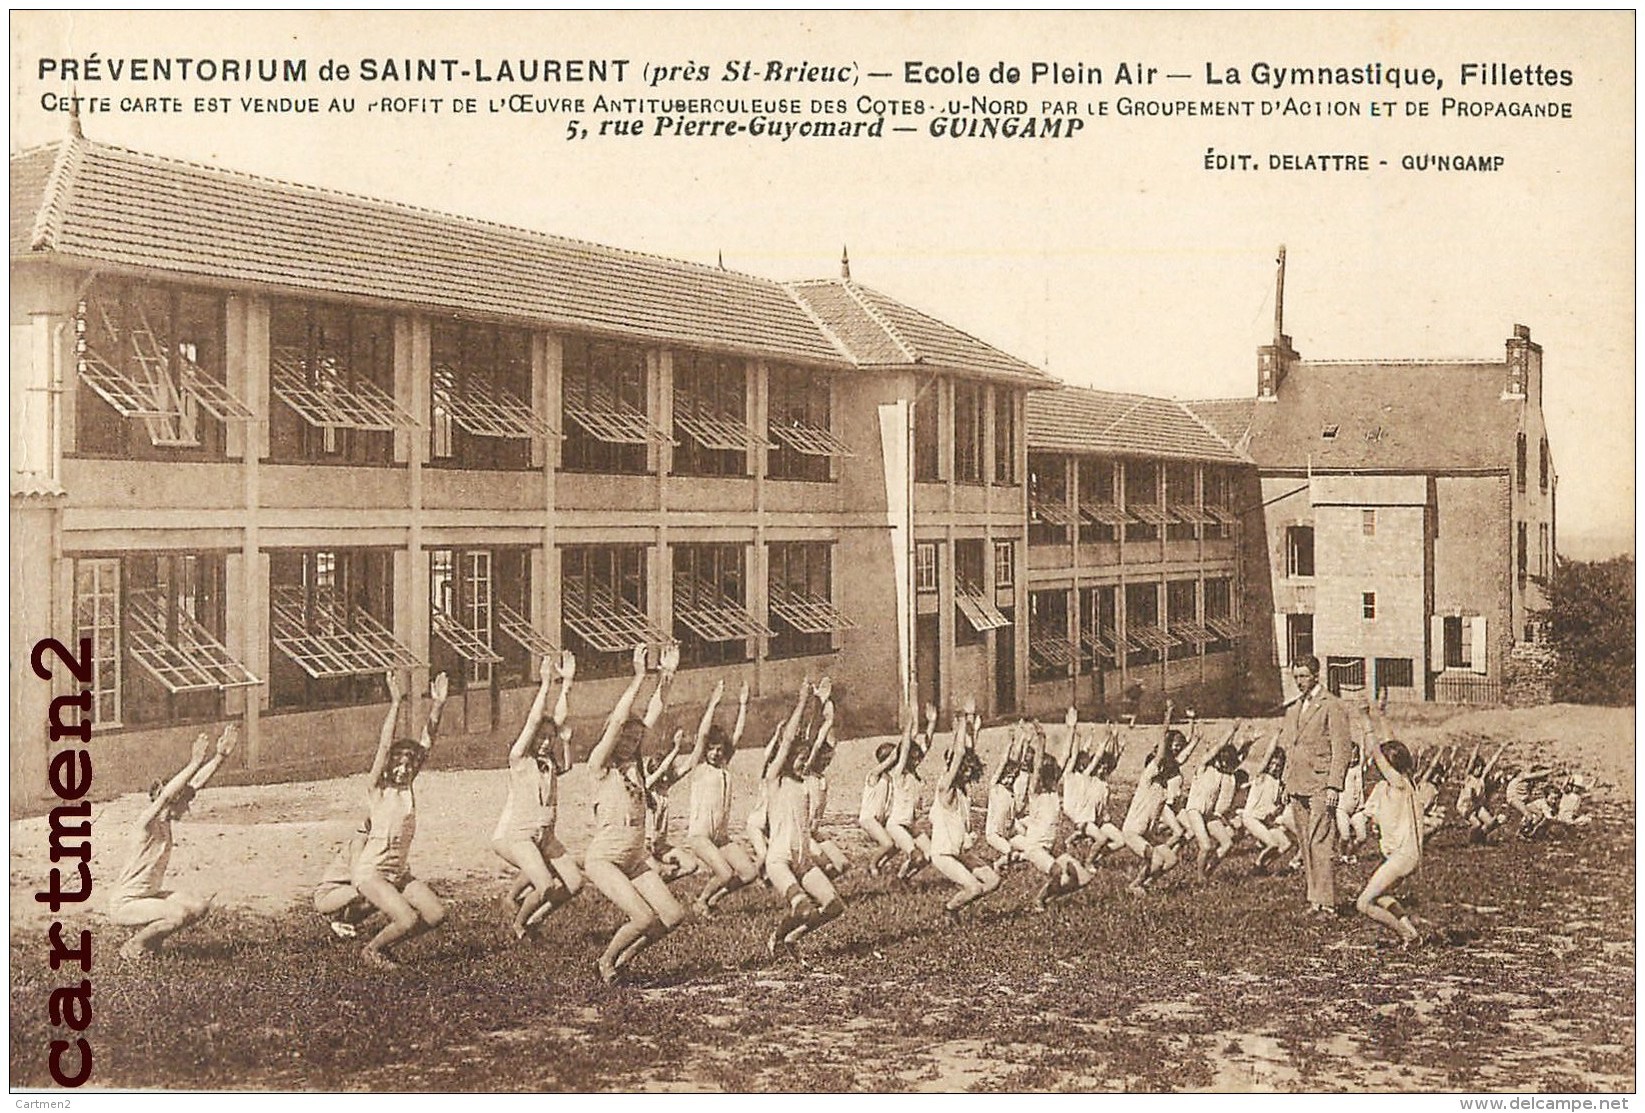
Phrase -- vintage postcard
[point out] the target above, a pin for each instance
(809, 551)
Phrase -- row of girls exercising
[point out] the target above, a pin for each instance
(1186, 799)
(625, 859)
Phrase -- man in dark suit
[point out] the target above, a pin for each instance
(1318, 743)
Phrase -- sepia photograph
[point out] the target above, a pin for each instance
(778, 552)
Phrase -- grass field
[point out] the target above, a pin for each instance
(1218, 984)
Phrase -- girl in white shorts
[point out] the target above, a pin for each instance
(138, 898)
(708, 834)
(905, 800)
(810, 895)
(615, 861)
(1393, 806)
(876, 803)
(382, 872)
(1002, 802)
(546, 873)
(951, 819)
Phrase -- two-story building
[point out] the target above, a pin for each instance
(271, 440)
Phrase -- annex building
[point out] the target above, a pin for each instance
(1407, 511)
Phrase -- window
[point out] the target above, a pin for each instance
(1368, 523)
(711, 620)
(800, 585)
(1329, 432)
(1049, 514)
(1394, 672)
(155, 621)
(1545, 559)
(604, 400)
(1145, 641)
(97, 617)
(603, 607)
(925, 566)
(1182, 501)
(480, 413)
(1005, 436)
(927, 434)
(479, 600)
(969, 416)
(977, 612)
(149, 360)
(1219, 501)
(1005, 564)
(331, 611)
(1368, 604)
(1458, 642)
(1344, 673)
(1299, 550)
(1182, 619)
(1142, 505)
(1220, 621)
(1099, 638)
(1519, 462)
(1299, 636)
(332, 368)
(799, 425)
(1100, 515)
(1049, 654)
(1523, 558)
(1542, 466)
(711, 434)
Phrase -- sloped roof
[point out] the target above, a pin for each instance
(1229, 418)
(1389, 416)
(110, 205)
(1077, 419)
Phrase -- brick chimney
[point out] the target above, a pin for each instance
(1524, 377)
(1274, 360)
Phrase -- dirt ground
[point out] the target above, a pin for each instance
(1531, 987)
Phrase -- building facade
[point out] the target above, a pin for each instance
(1135, 572)
(1409, 512)
(270, 441)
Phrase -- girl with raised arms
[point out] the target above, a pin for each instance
(547, 874)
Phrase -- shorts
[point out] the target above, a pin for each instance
(332, 889)
(548, 844)
(398, 878)
(784, 874)
(136, 910)
(623, 847)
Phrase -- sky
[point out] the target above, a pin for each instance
(1114, 259)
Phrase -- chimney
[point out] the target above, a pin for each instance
(845, 264)
(1524, 365)
(1274, 360)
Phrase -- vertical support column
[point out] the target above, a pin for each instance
(413, 380)
(248, 371)
(546, 376)
(758, 388)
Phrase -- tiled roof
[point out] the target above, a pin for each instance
(1075, 419)
(29, 174)
(876, 330)
(943, 346)
(849, 323)
(1388, 417)
(106, 204)
(1229, 418)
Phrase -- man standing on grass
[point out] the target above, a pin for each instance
(1318, 749)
